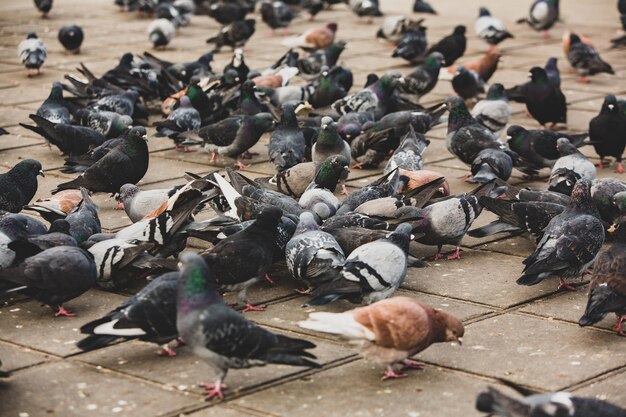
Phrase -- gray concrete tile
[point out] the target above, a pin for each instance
(16, 357)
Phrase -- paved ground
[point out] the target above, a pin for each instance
(528, 335)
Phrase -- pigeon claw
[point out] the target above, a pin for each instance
(303, 291)
(564, 285)
(409, 364)
(61, 311)
(166, 350)
(344, 190)
(391, 374)
(600, 164)
(250, 307)
(620, 168)
(618, 325)
(456, 254)
(269, 279)
(214, 390)
(241, 165)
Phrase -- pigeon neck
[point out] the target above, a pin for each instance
(195, 289)
(459, 117)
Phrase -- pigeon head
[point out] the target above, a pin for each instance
(349, 131)
(56, 92)
(306, 223)
(60, 226)
(386, 84)
(289, 115)
(269, 218)
(551, 64)
(28, 167)
(230, 77)
(619, 235)
(434, 60)
(518, 138)
(206, 59)
(371, 79)
(573, 39)
(619, 200)
(459, 115)
(610, 104)
(538, 74)
(13, 227)
(483, 12)
(158, 38)
(496, 92)
(562, 180)
(459, 30)
(327, 123)
(336, 165)
(196, 284)
(263, 121)
(184, 102)
(332, 27)
(401, 237)
(32, 35)
(127, 192)
(565, 147)
(126, 60)
(138, 132)
(581, 194)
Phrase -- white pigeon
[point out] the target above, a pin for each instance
(32, 52)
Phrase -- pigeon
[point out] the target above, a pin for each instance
(412, 45)
(71, 37)
(542, 15)
(608, 132)
(54, 108)
(235, 34)
(294, 181)
(312, 255)
(329, 142)
(552, 70)
(70, 139)
(424, 78)
(570, 242)
(538, 147)
(53, 276)
(313, 65)
(176, 15)
(467, 84)
(84, 220)
(221, 336)
(185, 71)
(57, 235)
(572, 159)
(390, 331)
(313, 39)
(452, 47)
(110, 124)
(446, 222)
(19, 185)
(57, 206)
(371, 273)
(420, 6)
(182, 119)
(287, 145)
(276, 14)
(485, 66)
(409, 154)
(319, 201)
(16, 228)
(603, 192)
(149, 315)
(607, 292)
(545, 102)
(394, 28)
(490, 164)
(562, 180)
(385, 186)
(494, 112)
(161, 32)
(350, 125)
(226, 12)
(499, 404)
(238, 64)
(123, 103)
(126, 163)
(255, 244)
(374, 99)
(585, 59)
(44, 6)
(32, 53)
(232, 136)
(489, 28)
(138, 203)
(369, 8)
(466, 137)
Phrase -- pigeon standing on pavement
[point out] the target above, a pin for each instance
(84, 220)
(585, 59)
(409, 154)
(19, 185)
(287, 145)
(329, 142)
(126, 163)
(420, 6)
(494, 112)
(71, 37)
(221, 336)
(161, 32)
(374, 99)
(489, 28)
(184, 118)
(371, 273)
(572, 159)
(607, 292)
(390, 331)
(276, 14)
(412, 45)
(542, 15)
(608, 132)
(53, 276)
(570, 242)
(490, 164)
(139, 203)
(32, 53)
(44, 6)
(424, 78)
(452, 47)
(235, 34)
(54, 108)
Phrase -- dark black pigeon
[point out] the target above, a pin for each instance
(608, 132)
(276, 14)
(287, 146)
(71, 37)
(223, 337)
(126, 163)
(467, 84)
(84, 220)
(452, 47)
(585, 59)
(420, 6)
(607, 292)
(570, 242)
(44, 6)
(70, 139)
(490, 164)
(184, 118)
(19, 185)
(424, 78)
(412, 45)
(235, 34)
(226, 12)
(244, 258)
(149, 315)
(53, 276)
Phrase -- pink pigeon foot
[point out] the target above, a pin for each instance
(344, 190)
(583, 80)
(618, 325)
(391, 374)
(120, 206)
(437, 256)
(167, 350)
(213, 156)
(358, 165)
(600, 164)
(250, 307)
(269, 279)
(409, 364)
(563, 284)
(455, 255)
(241, 165)
(620, 168)
(214, 390)
(303, 291)
(465, 177)
(61, 311)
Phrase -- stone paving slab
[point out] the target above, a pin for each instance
(17, 357)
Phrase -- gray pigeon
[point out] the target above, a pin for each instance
(570, 242)
(161, 32)
(494, 112)
(287, 145)
(138, 203)
(312, 255)
(84, 220)
(32, 53)
(13, 228)
(371, 273)
(320, 201)
(375, 98)
(491, 164)
(19, 185)
(408, 155)
(572, 159)
(329, 142)
(221, 336)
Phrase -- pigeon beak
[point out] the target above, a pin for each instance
(145, 137)
(41, 173)
(612, 229)
(611, 106)
(324, 126)
(459, 340)
(508, 137)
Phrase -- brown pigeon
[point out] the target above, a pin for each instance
(390, 331)
(313, 39)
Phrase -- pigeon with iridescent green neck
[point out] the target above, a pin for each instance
(326, 91)
(424, 78)
(374, 99)
(221, 336)
(329, 142)
(109, 123)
